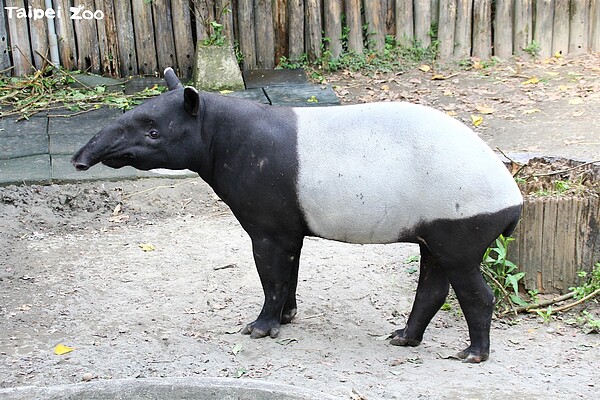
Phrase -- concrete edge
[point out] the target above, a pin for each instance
(167, 388)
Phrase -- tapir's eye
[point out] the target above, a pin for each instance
(153, 134)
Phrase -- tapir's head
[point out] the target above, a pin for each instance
(161, 133)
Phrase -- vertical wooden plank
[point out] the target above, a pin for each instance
(314, 29)
(435, 12)
(390, 18)
(5, 63)
(246, 33)
(462, 33)
(548, 240)
(523, 33)
(503, 29)
(405, 28)
(594, 26)
(333, 27)
(594, 224)
(542, 33)
(204, 12)
(184, 43)
(109, 42)
(564, 270)
(579, 25)
(165, 41)
(446, 27)
(296, 29)
(353, 22)
(126, 37)
(422, 13)
(560, 27)
(65, 33)
(281, 29)
(482, 28)
(38, 31)
(375, 27)
(144, 37)
(265, 40)
(583, 227)
(88, 53)
(224, 15)
(20, 48)
(533, 216)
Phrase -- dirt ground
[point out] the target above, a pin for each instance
(155, 278)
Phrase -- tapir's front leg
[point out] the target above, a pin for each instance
(277, 264)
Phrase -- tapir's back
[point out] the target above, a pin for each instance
(369, 173)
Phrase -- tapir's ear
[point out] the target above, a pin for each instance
(171, 79)
(191, 100)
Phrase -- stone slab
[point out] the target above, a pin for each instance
(257, 94)
(19, 146)
(258, 78)
(216, 69)
(92, 81)
(137, 85)
(29, 170)
(302, 95)
(37, 125)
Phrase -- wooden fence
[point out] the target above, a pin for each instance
(131, 37)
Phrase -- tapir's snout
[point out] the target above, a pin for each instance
(83, 160)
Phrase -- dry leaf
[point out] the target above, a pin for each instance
(451, 113)
(385, 88)
(532, 111)
(576, 101)
(531, 81)
(578, 113)
(147, 247)
(483, 109)
(563, 88)
(477, 120)
(61, 349)
(425, 68)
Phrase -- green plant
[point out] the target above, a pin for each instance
(586, 321)
(533, 49)
(590, 285)
(546, 314)
(216, 37)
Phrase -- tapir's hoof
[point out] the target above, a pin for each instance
(288, 316)
(471, 357)
(399, 339)
(258, 329)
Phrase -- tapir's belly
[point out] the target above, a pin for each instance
(372, 173)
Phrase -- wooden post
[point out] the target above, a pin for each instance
(353, 21)
(184, 43)
(4, 49)
(246, 33)
(108, 43)
(405, 28)
(579, 24)
(224, 15)
(482, 29)
(19, 41)
(375, 29)
(165, 42)
(281, 29)
(542, 33)
(503, 26)
(88, 53)
(595, 26)
(127, 51)
(446, 27)
(265, 41)
(549, 241)
(38, 36)
(390, 21)
(560, 27)
(204, 11)
(462, 32)
(296, 29)
(314, 29)
(333, 27)
(422, 12)
(144, 37)
(523, 26)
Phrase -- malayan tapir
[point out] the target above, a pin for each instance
(368, 173)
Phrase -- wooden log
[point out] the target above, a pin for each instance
(595, 26)
(462, 32)
(88, 51)
(246, 33)
(542, 33)
(281, 29)
(560, 27)
(422, 15)
(144, 37)
(503, 29)
(314, 29)
(127, 52)
(482, 29)
(523, 34)
(354, 25)
(184, 43)
(296, 29)
(109, 45)
(38, 36)
(333, 27)
(446, 28)
(165, 41)
(20, 49)
(375, 27)
(5, 63)
(579, 26)
(405, 28)
(549, 240)
(265, 40)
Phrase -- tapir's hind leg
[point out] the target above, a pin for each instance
(431, 293)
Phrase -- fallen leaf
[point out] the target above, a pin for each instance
(385, 88)
(558, 54)
(425, 68)
(483, 109)
(576, 101)
(61, 349)
(117, 209)
(147, 247)
(531, 81)
(532, 111)
(416, 81)
(477, 120)
(563, 88)
(438, 77)
(578, 113)
(237, 349)
(451, 113)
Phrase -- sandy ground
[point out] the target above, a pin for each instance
(75, 270)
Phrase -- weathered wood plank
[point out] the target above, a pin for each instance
(246, 33)
(594, 232)
(354, 25)
(405, 28)
(482, 28)
(38, 36)
(109, 47)
(88, 52)
(296, 29)
(523, 29)
(281, 29)
(542, 33)
(503, 25)
(390, 18)
(560, 27)
(204, 12)
(224, 14)
(462, 32)
(20, 48)
(533, 216)
(333, 27)
(584, 239)
(565, 268)
(595, 26)
(549, 240)
(446, 28)
(184, 43)
(126, 36)
(144, 37)
(5, 63)
(375, 26)
(578, 27)
(165, 41)
(314, 29)
(265, 43)
(422, 15)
